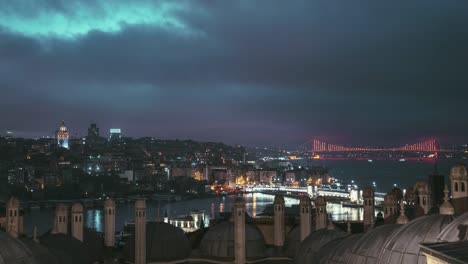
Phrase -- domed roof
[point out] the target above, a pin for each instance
(164, 242)
(109, 203)
(219, 241)
(13, 251)
(66, 248)
(458, 171)
(309, 248)
(456, 230)
(368, 247)
(61, 207)
(42, 255)
(293, 240)
(422, 187)
(403, 245)
(320, 201)
(77, 208)
(12, 202)
(339, 250)
(305, 201)
(140, 204)
(279, 199)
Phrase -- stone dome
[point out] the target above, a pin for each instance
(164, 242)
(140, 204)
(305, 201)
(13, 251)
(279, 199)
(403, 244)
(66, 248)
(293, 240)
(422, 187)
(339, 251)
(218, 242)
(109, 203)
(12, 202)
(456, 230)
(320, 201)
(368, 247)
(41, 254)
(77, 208)
(309, 248)
(458, 171)
(61, 208)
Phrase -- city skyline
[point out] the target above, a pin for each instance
(241, 73)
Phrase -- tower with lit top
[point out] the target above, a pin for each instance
(63, 136)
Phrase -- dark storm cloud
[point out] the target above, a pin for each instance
(267, 72)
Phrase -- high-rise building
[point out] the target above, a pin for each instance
(115, 134)
(93, 131)
(63, 136)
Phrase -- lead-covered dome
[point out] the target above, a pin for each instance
(66, 249)
(13, 251)
(368, 247)
(218, 242)
(403, 245)
(339, 251)
(164, 242)
(455, 231)
(309, 248)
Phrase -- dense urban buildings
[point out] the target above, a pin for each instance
(417, 224)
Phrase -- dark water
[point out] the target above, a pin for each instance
(384, 173)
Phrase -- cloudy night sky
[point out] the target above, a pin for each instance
(247, 72)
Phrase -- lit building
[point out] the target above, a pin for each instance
(63, 136)
(115, 134)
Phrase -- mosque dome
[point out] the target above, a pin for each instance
(456, 230)
(13, 251)
(218, 242)
(41, 253)
(164, 242)
(308, 250)
(368, 247)
(339, 250)
(403, 245)
(66, 248)
(293, 240)
(458, 171)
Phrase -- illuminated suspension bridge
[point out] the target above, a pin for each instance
(424, 146)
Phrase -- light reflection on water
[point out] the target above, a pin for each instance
(255, 204)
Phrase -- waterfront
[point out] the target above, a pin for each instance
(255, 204)
(384, 173)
